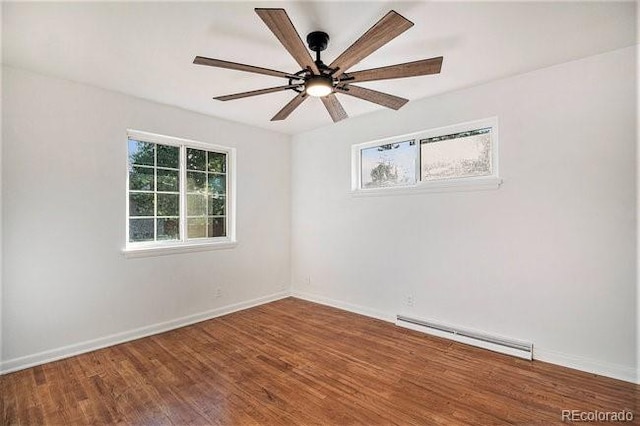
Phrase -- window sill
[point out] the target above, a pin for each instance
(472, 184)
(151, 251)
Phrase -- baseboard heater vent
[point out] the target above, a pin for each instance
(498, 344)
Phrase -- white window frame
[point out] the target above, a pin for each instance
(154, 248)
(473, 183)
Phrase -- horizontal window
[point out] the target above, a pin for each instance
(462, 156)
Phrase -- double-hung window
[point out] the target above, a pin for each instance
(179, 193)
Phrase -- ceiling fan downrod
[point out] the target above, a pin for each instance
(317, 42)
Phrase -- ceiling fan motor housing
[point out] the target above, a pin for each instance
(318, 41)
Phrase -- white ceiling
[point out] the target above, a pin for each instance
(146, 49)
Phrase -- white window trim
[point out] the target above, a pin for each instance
(475, 183)
(160, 248)
(176, 249)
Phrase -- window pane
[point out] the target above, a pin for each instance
(140, 230)
(216, 205)
(196, 159)
(168, 156)
(217, 184)
(169, 228)
(168, 205)
(141, 204)
(389, 165)
(197, 227)
(196, 205)
(141, 178)
(459, 155)
(217, 162)
(215, 227)
(196, 181)
(141, 152)
(168, 180)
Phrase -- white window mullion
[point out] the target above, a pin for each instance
(183, 193)
(155, 193)
(227, 197)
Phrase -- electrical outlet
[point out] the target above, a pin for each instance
(218, 293)
(410, 301)
(307, 280)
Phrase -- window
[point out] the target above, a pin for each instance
(206, 193)
(392, 164)
(456, 157)
(179, 193)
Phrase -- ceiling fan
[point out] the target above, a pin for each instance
(324, 81)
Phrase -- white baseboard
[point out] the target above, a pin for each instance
(27, 361)
(615, 371)
(356, 309)
(627, 374)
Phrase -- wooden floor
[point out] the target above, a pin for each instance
(294, 362)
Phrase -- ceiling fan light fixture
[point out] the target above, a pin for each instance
(315, 79)
(318, 86)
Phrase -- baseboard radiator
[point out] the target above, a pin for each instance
(503, 345)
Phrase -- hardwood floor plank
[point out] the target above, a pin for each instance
(293, 362)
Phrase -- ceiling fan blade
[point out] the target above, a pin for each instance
(386, 29)
(409, 69)
(256, 92)
(334, 107)
(380, 98)
(288, 108)
(279, 23)
(201, 60)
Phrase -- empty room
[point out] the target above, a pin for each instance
(319, 213)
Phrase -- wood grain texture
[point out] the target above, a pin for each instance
(386, 29)
(256, 92)
(293, 362)
(408, 69)
(219, 63)
(290, 106)
(380, 98)
(334, 107)
(281, 26)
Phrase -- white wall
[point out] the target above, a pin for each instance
(637, 214)
(1, 166)
(66, 281)
(550, 257)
